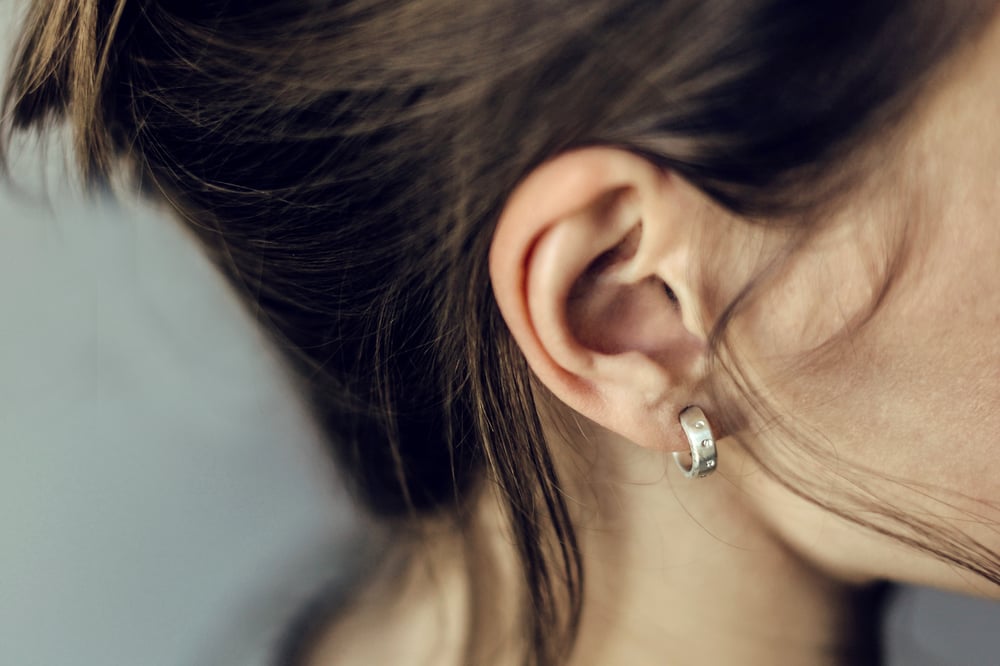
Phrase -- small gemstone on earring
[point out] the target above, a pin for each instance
(699, 424)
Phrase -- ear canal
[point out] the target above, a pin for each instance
(671, 296)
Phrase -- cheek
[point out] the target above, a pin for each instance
(896, 423)
(940, 350)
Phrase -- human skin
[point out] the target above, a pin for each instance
(898, 415)
(914, 396)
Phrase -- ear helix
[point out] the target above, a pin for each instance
(704, 458)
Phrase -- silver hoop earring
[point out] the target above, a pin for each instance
(702, 442)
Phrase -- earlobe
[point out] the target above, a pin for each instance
(585, 263)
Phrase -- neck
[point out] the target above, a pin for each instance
(682, 572)
(677, 572)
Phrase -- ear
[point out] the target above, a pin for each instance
(593, 268)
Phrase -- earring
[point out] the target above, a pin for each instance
(702, 442)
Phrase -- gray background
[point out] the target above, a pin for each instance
(163, 496)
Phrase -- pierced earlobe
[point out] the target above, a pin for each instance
(704, 458)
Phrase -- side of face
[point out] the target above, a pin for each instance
(609, 274)
(906, 409)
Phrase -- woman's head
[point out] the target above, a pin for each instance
(447, 211)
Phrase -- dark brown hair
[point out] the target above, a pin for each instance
(344, 163)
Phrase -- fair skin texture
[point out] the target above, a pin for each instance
(735, 568)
